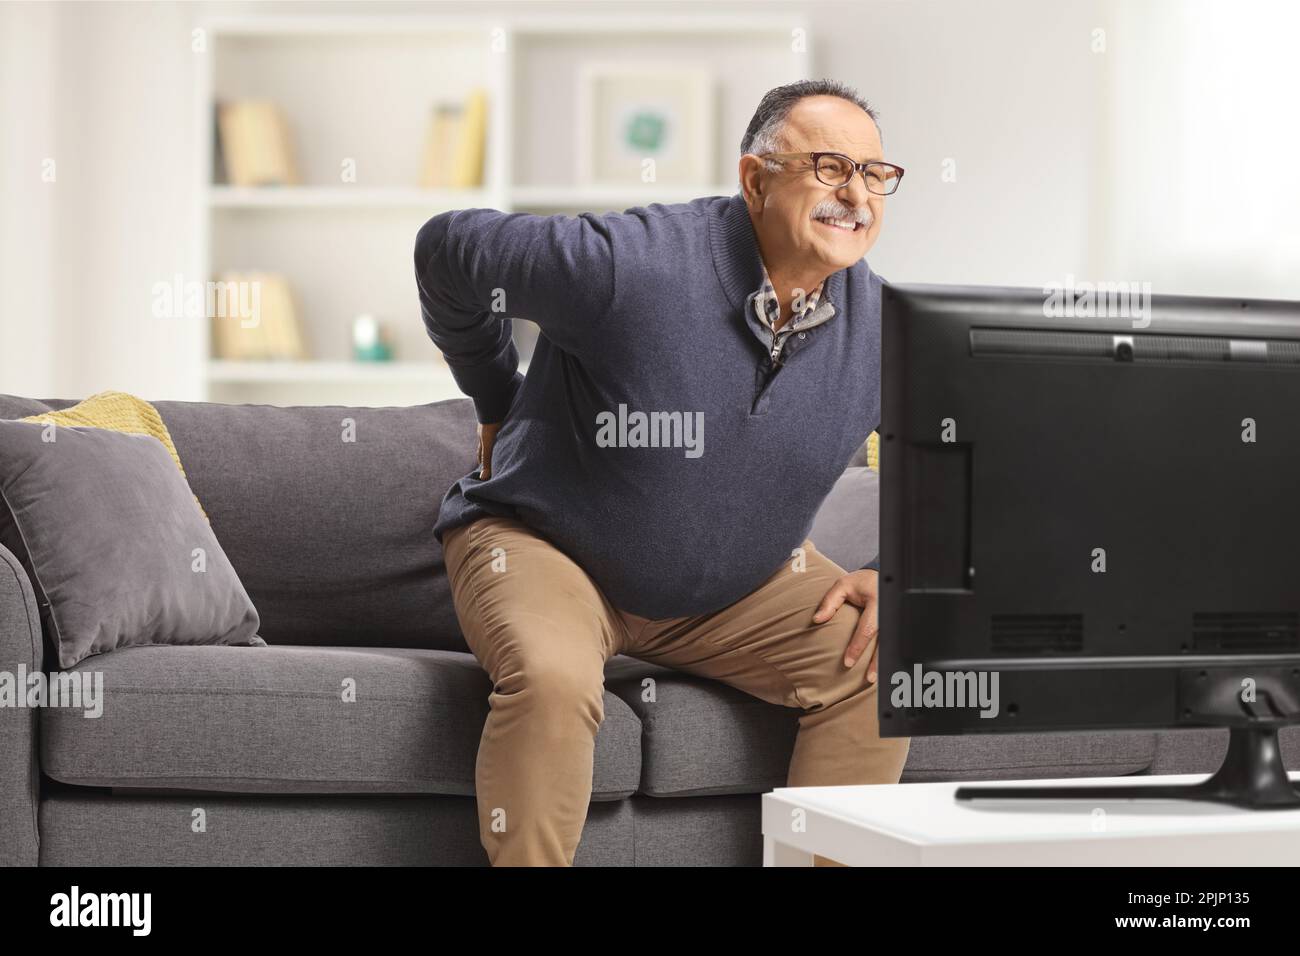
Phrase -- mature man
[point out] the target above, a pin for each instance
(745, 330)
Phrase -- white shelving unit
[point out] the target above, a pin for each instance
(228, 370)
(341, 197)
(360, 89)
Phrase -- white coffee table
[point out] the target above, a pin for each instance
(920, 824)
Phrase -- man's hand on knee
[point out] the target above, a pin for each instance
(859, 589)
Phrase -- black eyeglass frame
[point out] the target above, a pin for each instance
(857, 168)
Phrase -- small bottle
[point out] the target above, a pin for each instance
(368, 340)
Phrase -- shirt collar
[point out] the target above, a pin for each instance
(768, 305)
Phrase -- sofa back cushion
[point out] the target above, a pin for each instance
(847, 526)
(326, 512)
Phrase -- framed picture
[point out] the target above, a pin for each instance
(645, 123)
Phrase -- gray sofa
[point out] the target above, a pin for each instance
(248, 755)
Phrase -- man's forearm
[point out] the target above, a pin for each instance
(474, 340)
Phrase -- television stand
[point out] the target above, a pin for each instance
(1252, 775)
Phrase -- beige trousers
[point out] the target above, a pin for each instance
(543, 631)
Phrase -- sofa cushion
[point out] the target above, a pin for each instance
(119, 412)
(116, 548)
(1202, 749)
(327, 512)
(701, 736)
(704, 737)
(83, 828)
(333, 540)
(274, 720)
(1029, 756)
(847, 525)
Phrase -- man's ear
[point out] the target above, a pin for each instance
(751, 181)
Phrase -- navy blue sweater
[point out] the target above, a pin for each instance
(644, 309)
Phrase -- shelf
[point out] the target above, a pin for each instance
(451, 27)
(609, 197)
(347, 197)
(526, 197)
(235, 371)
(440, 28)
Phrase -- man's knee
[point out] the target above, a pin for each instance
(833, 683)
(553, 686)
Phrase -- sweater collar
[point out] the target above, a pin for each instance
(737, 260)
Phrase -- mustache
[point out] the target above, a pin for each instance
(833, 209)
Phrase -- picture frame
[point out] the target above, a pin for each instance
(642, 123)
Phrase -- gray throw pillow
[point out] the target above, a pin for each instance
(847, 526)
(116, 547)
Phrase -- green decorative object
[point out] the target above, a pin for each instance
(369, 343)
(375, 353)
(645, 131)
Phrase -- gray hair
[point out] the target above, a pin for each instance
(766, 130)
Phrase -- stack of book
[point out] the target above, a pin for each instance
(259, 320)
(254, 144)
(453, 157)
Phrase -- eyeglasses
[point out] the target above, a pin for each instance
(836, 169)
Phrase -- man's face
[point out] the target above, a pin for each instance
(793, 210)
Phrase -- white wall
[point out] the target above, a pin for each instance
(28, 293)
(1206, 196)
(1008, 91)
(104, 91)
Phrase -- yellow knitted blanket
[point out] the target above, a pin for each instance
(117, 412)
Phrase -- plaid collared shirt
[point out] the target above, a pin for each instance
(768, 309)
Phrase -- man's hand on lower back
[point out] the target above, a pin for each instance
(487, 436)
(859, 589)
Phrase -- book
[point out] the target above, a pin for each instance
(439, 153)
(467, 170)
(456, 144)
(274, 332)
(256, 146)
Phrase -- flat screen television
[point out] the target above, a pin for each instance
(1090, 516)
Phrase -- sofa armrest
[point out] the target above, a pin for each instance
(20, 651)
